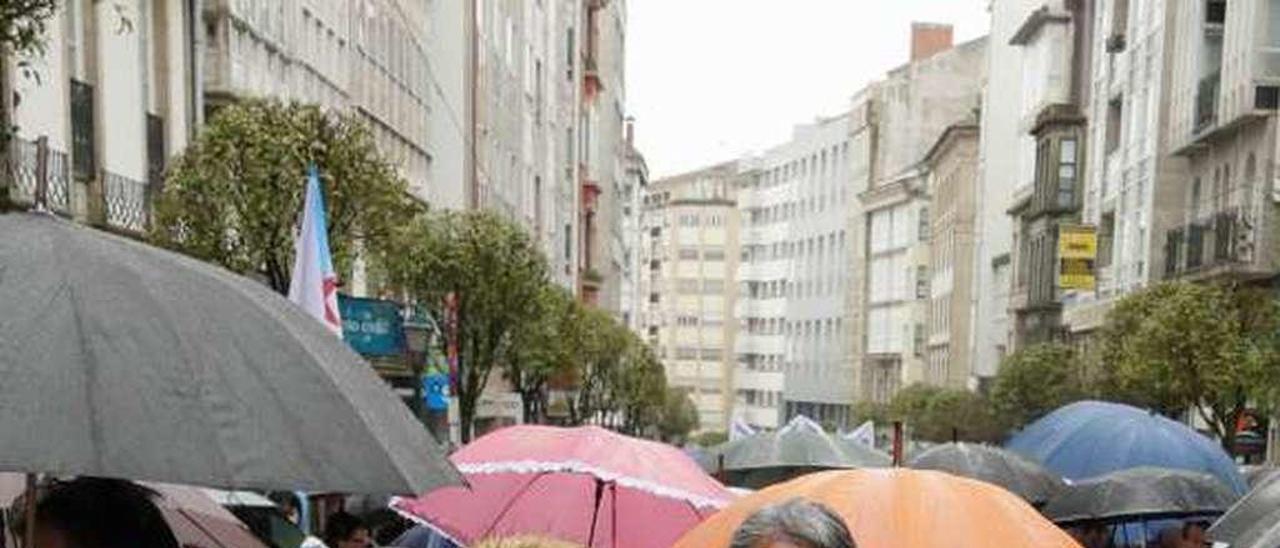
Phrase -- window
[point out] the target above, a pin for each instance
(1193, 206)
(689, 253)
(1115, 112)
(922, 282)
(918, 340)
(687, 321)
(1067, 173)
(686, 353)
(570, 53)
(713, 287)
(922, 229)
(712, 354)
(687, 286)
(713, 254)
(83, 162)
(1106, 238)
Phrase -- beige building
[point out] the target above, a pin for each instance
(691, 251)
(112, 96)
(912, 106)
(364, 56)
(952, 166)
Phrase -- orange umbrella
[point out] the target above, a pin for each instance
(899, 508)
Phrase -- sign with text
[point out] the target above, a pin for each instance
(1077, 251)
(372, 327)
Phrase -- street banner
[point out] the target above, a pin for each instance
(1077, 253)
(314, 285)
(372, 327)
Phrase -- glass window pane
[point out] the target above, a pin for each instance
(1068, 151)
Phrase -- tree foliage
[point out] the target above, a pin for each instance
(1038, 379)
(1177, 346)
(943, 414)
(234, 195)
(497, 277)
(22, 31)
(679, 417)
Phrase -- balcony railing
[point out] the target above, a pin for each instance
(22, 173)
(1219, 239)
(126, 202)
(1207, 101)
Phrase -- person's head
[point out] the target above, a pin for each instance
(343, 530)
(524, 542)
(1194, 534)
(795, 523)
(288, 504)
(100, 513)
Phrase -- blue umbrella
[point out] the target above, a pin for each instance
(1088, 439)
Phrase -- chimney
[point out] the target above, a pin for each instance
(928, 39)
(631, 131)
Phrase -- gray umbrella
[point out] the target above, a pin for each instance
(766, 458)
(993, 465)
(119, 359)
(1140, 494)
(1254, 521)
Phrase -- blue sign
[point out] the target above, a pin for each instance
(435, 390)
(372, 327)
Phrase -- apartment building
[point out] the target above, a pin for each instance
(113, 95)
(952, 166)
(692, 253)
(1056, 43)
(1130, 171)
(1218, 217)
(633, 217)
(911, 108)
(363, 56)
(794, 279)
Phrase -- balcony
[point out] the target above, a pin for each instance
(1207, 102)
(1200, 247)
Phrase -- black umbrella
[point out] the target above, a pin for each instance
(122, 360)
(993, 465)
(765, 458)
(1140, 494)
(1254, 521)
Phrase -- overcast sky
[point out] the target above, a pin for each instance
(710, 80)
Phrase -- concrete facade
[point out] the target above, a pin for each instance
(911, 108)
(692, 254)
(794, 280)
(1219, 219)
(952, 165)
(363, 56)
(114, 95)
(635, 188)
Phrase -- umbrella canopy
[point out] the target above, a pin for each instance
(586, 485)
(766, 458)
(993, 465)
(196, 519)
(900, 508)
(1254, 521)
(1089, 439)
(134, 362)
(1140, 494)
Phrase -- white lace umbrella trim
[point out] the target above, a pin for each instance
(577, 467)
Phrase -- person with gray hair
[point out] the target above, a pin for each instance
(796, 523)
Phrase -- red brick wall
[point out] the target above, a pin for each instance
(928, 39)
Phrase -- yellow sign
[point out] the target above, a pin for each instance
(1077, 250)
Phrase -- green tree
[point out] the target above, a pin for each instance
(234, 195)
(601, 347)
(679, 417)
(541, 352)
(1178, 346)
(642, 389)
(710, 439)
(496, 274)
(22, 28)
(1038, 379)
(941, 414)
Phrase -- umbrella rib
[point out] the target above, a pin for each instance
(510, 503)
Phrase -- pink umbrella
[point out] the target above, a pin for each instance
(585, 485)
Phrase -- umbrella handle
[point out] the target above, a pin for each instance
(29, 531)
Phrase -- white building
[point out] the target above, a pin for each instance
(113, 95)
(794, 280)
(633, 217)
(363, 56)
